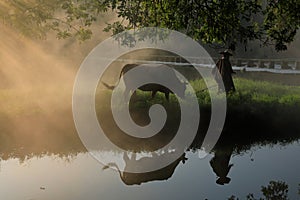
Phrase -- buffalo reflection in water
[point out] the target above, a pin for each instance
(130, 178)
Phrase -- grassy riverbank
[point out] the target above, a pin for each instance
(260, 98)
(258, 112)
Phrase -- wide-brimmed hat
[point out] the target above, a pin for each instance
(226, 52)
(223, 180)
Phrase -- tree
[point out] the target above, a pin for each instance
(274, 190)
(217, 22)
(35, 18)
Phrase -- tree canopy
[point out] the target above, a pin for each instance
(217, 22)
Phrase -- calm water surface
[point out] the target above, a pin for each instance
(81, 177)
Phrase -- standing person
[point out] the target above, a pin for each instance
(225, 70)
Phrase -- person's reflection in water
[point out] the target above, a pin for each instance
(220, 165)
(130, 178)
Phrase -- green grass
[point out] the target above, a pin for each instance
(251, 93)
(249, 96)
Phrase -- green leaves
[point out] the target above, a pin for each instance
(115, 27)
(35, 18)
(63, 34)
(28, 17)
(213, 21)
(218, 22)
(282, 20)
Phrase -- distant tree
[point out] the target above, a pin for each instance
(216, 22)
(274, 190)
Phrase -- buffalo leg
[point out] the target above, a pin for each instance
(153, 93)
(167, 94)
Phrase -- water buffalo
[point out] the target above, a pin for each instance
(157, 72)
(130, 178)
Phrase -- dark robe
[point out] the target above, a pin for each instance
(225, 70)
